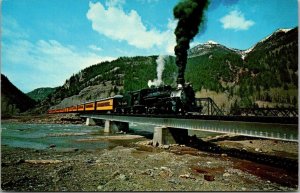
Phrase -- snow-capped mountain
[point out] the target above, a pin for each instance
(211, 46)
(270, 63)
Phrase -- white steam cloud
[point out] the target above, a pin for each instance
(160, 61)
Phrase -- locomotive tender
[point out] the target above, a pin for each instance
(155, 100)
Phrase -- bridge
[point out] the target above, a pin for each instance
(168, 127)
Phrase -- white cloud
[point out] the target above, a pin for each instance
(148, 1)
(31, 65)
(95, 48)
(115, 3)
(11, 29)
(47, 63)
(236, 20)
(169, 37)
(115, 24)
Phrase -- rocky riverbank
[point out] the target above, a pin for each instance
(137, 167)
(69, 118)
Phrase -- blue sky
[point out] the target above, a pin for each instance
(44, 42)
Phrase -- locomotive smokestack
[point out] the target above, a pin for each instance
(190, 15)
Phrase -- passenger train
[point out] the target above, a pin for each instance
(157, 100)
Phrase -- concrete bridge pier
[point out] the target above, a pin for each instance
(168, 135)
(115, 126)
(90, 122)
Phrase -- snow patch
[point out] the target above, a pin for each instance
(285, 30)
(211, 42)
(245, 52)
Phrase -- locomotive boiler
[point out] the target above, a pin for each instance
(162, 100)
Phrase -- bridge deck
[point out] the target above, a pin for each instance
(263, 127)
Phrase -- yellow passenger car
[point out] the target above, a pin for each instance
(89, 106)
(110, 104)
(80, 107)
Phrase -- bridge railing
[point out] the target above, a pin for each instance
(209, 107)
(274, 112)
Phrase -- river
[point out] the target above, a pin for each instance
(42, 136)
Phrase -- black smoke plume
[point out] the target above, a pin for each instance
(190, 15)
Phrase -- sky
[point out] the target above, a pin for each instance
(44, 42)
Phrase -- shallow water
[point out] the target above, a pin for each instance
(41, 136)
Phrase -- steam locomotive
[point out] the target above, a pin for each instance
(155, 100)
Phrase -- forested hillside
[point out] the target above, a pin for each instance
(13, 101)
(40, 94)
(264, 75)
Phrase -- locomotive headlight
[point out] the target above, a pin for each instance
(176, 93)
(180, 94)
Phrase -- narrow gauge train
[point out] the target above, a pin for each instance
(158, 100)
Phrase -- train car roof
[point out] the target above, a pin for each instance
(113, 97)
(102, 99)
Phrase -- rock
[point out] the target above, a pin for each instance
(186, 176)
(99, 187)
(165, 146)
(209, 177)
(224, 155)
(20, 161)
(148, 172)
(174, 181)
(90, 161)
(67, 150)
(123, 177)
(43, 161)
(149, 142)
(258, 150)
(116, 173)
(226, 174)
(165, 172)
(52, 145)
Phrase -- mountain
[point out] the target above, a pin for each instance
(13, 101)
(40, 94)
(264, 75)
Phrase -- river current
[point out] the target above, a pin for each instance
(42, 136)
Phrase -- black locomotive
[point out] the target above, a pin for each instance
(162, 100)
